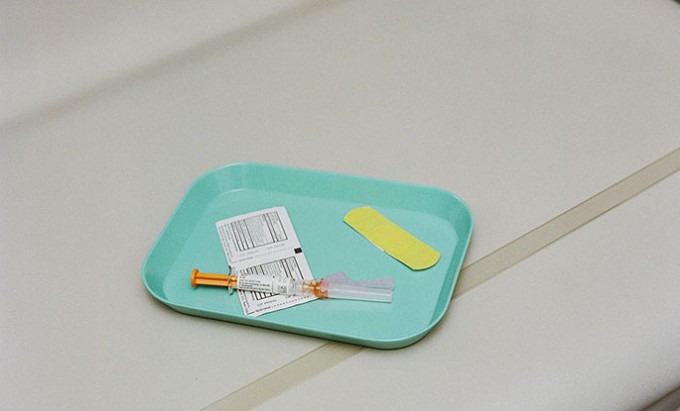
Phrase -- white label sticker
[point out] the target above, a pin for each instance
(263, 283)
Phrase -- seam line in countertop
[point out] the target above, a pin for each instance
(332, 353)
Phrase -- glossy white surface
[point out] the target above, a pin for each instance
(588, 323)
(52, 50)
(524, 110)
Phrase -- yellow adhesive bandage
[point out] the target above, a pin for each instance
(391, 238)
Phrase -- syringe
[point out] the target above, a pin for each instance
(336, 285)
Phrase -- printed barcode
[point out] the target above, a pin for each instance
(257, 231)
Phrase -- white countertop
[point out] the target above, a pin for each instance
(525, 110)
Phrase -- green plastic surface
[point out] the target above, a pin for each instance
(316, 202)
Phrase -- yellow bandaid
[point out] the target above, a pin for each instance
(391, 238)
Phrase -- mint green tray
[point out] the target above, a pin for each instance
(316, 203)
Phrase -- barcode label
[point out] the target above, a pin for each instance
(264, 243)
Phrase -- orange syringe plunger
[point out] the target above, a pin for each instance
(219, 280)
